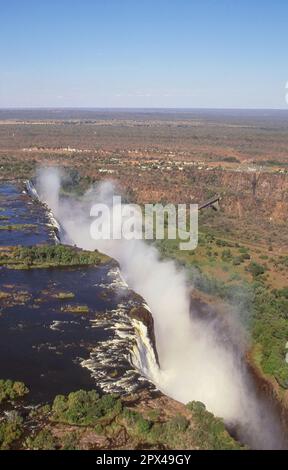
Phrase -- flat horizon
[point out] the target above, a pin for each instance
(128, 108)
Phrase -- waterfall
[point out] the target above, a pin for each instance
(53, 222)
(140, 353)
(196, 364)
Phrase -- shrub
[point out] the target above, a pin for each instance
(135, 419)
(237, 261)
(256, 269)
(283, 292)
(44, 440)
(153, 414)
(209, 432)
(179, 423)
(245, 256)
(230, 159)
(70, 441)
(51, 255)
(143, 425)
(84, 408)
(157, 431)
(10, 430)
(226, 255)
(10, 390)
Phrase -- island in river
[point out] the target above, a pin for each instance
(71, 352)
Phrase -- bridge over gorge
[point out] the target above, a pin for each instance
(212, 202)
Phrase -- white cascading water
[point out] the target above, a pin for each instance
(143, 357)
(195, 363)
(53, 222)
(141, 354)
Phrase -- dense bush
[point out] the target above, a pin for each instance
(245, 256)
(70, 441)
(243, 249)
(44, 440)
(226, 255)
(84, 408)
(51, 255)
(266, 314)
(270, 331)
(220, 242)
(179, 423)
(10, 430)
(256, 269)
(136, 419)
(230, 159)
(10, 390)
(209, 432)
(283, 292)
(60, 254)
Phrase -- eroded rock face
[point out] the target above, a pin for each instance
(245, 194)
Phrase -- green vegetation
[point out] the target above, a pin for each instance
(44, 256)
(18, 227)
(230, 159)
(11, 429)
(270, 331)
(75, 309)
(274, 163)
(210, 432)
(226, 255)
(64, 295)
(108, 416)
(281, 293)
(136, 421)
(202, 430)
(84, 408)
(266, 313)
(44, 440)
(10, 390)
(70, 441)
(264, 309)
(256, 269)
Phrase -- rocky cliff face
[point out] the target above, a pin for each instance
(258, 199)
(240, 191)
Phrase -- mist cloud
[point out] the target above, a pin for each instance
(196, 362)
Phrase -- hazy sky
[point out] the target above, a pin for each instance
(144, 53)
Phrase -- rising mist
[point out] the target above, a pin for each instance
(196, 362)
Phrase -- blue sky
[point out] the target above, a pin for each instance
(123, 53)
